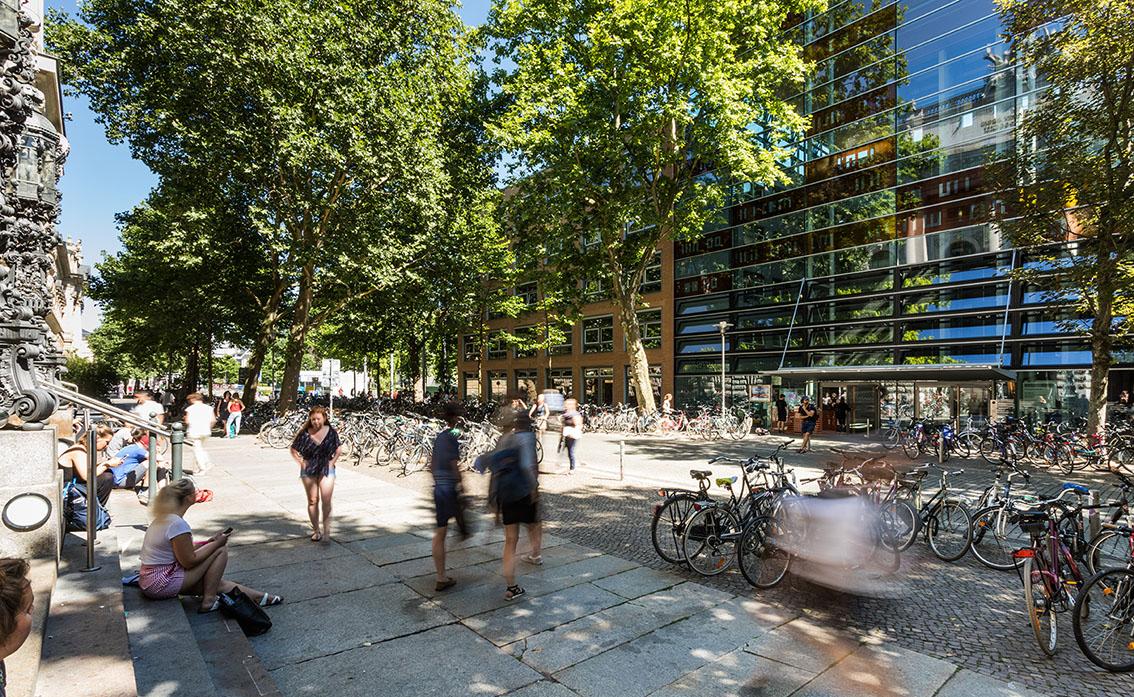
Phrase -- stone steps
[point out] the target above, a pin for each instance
(85, 650)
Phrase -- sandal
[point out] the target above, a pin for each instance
(513, 592)
(270, 600)
(215, 606)
(445, 585)
(316, 536)
(538, 561)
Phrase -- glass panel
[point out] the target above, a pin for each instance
(598, 334)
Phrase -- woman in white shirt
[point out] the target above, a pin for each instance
(173, 565)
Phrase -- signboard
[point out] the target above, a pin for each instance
(760, 393)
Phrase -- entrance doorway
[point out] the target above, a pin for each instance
(598, 386)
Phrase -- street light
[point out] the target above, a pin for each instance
(723, 326)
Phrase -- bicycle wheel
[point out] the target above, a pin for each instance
(901, 525)
(995, 536)
(948, 531)
(962, 447)
(1107, 550)
(761, 560)
(1039, 605)
(538, 450)
(709, 544)
(989, 449)
(1103, 620)
(912, 446)
(667, 527)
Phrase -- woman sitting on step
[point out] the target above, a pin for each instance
(172, 564)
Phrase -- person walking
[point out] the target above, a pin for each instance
(316, 449)
(572, 431)
(538, 415)
(173, 565)
(842, 410)
(445, 467)
(199, 421)
(221, 407)
(235, 415)
(781, 413)
(514, 493)
(807, 411)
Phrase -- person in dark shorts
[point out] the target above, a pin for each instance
(515, 493)
(810, 415)
(445, 467)
(781, 413)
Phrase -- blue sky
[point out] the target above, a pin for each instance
(102, 179)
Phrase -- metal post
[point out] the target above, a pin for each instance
(1093, 515)
(621, 452)
(151, 462)
(92, 495)
(176, 449)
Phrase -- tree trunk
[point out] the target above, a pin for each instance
(209, 366)
(639, 363)
(1100, 380)
(256, 360)
(296, 338)
(192, 370)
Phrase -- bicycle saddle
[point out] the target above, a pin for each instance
(726, 481)
(700, 474)
(1077, 488)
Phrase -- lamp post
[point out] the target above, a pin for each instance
(723, 326)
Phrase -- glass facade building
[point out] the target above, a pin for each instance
(881, 250)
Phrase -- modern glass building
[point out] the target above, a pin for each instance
(877, 272)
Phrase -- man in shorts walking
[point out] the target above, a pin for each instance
(445, 467)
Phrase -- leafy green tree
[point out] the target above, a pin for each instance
(322, 115)
(624, 120)
(1069, 183)
(92, 376)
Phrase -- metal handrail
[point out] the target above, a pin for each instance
(83, 400)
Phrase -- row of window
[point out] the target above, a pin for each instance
(597, 384)
(598, 337)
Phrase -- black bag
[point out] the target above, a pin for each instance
(250, 616)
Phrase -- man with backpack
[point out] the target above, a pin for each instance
(514, 493)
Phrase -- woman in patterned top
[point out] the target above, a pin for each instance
(316, 449)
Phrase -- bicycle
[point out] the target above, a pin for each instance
(1103, 617)
(946, 521)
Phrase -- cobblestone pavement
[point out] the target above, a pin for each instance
(961, 612)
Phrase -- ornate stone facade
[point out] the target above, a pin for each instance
(32, 151)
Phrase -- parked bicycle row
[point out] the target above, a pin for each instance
(704, 422)
(1072, 549)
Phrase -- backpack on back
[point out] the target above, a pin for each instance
(75, 508)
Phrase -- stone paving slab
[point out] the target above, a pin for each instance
(966, 683)
(284, 553)
(543, 688)
(455, 559)
(551, 579)
(738, 674)
(637, 582)
(804, 644)
(319, 578)
(443, 661)
(881, 671)
(306, 630)
(531, 615)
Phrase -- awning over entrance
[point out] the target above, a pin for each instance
(942, 372)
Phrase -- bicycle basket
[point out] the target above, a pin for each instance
(1032, 521)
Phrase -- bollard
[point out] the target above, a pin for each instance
(1093, 514)
(176, 445)
(92, 496)
(151, 463)
(621, 452)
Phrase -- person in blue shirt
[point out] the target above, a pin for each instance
(130, 466)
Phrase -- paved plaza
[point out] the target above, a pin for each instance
(602, 616)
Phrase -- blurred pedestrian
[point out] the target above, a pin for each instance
(234, 417)
(16, 602)
(667, 404)
(842, 410)
(514, 494)
(781, 413)
(572, 431)
(807, 411)
(445, 467)
(316, 449)
(147, 408)
(199, 420)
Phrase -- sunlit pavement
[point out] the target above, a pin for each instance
(362, 618)
(962, 612)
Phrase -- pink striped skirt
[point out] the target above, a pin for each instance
(161, 581)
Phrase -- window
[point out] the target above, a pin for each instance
(598, 385)
(598, 334)
(526, 384)
(592, 239)
(497, 349)
(529, 293)
(596, 290)
(651, 282)
(649, 324)
(561, 379)
(527, 336)
(497, 385)
(472, 385)
(568, 345)
(471, 346)
(655, 381)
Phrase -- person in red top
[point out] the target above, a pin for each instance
(235, 413)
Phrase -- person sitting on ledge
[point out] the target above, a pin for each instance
(172, 564)
(16, 601)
